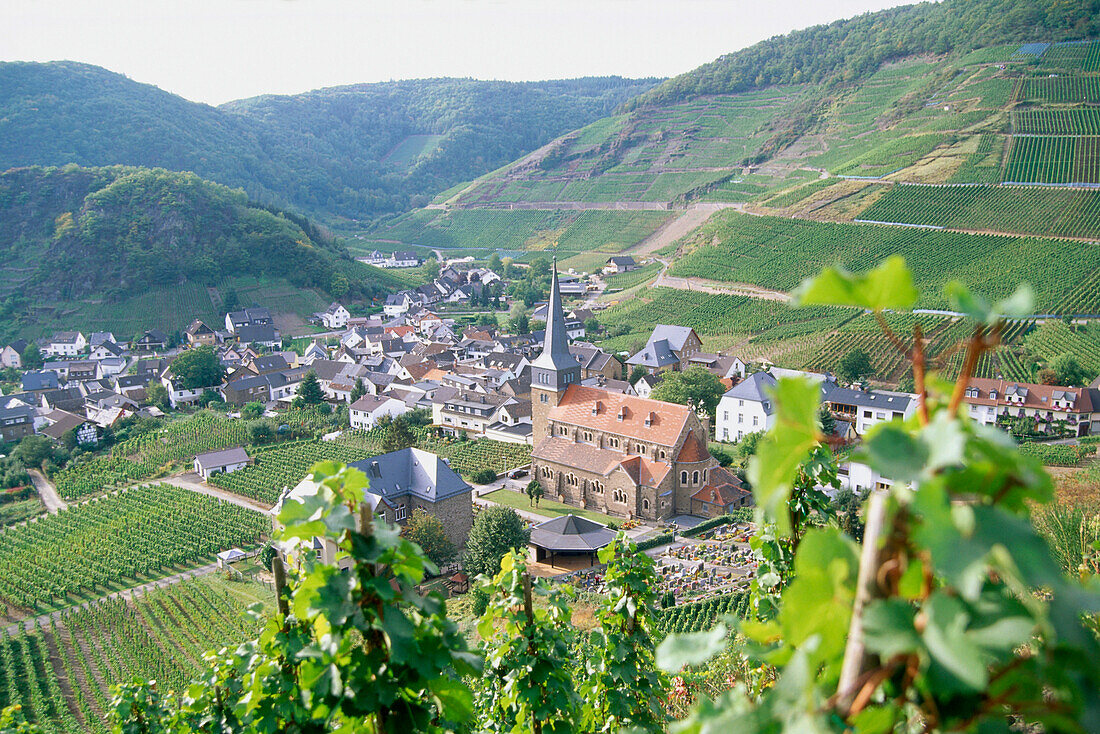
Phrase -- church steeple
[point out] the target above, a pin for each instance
(555, 346)
(555, 369)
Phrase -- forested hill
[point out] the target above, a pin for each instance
(854, 48)
(355, 151)
(111, 234)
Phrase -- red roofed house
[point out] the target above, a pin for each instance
(990, 399)
(606, 451)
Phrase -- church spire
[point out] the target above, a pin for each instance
(555, 346)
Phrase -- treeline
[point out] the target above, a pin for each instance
(324, 151)
(117, 232)
(850, 49)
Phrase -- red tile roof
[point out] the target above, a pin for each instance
(723, 488)
(666, 421)
(1039, 397)
(693, 450)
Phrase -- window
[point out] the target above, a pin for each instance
(645, 504)
(400, 513)
(546, 472)
(641, 449)
(597, 487)
(695, 478)
(725, 415)
(620, 496)
(740, 417)
(683, 477)
(543, 397)
(866, 414)
(662, 454)
(740, 403)
(563, 431)
(588, 435)
(704, 476)
(756, 420)
(880, 415)
(571, 480)
(726, 434)
(613, 443)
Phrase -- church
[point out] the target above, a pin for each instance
(601, 450)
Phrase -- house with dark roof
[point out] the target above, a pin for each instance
(16, 422)
(39, 382)
(746, 408)
(619, 264)
(266, 335)
(221, 462)
(153, 340)
(247, 317)
(199, 333)
(669, 347)
(12, 354)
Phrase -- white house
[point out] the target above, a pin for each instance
(367, 410)
(336, 317)
(746, 408)
(221, 462)
(65, 344)
(865, 408)
(398, 303)
(402, 260)
(178, 396)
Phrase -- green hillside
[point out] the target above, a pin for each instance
(131, 248)
(345, 152)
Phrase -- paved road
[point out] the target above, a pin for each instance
(136, 591)
(194, 483)
(50, 498)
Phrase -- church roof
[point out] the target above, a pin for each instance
(555, 350)
(693, 450)
(625, 415)
(723, 488)
(571, 533)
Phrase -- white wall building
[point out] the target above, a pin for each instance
(369, 409)
(746, 408)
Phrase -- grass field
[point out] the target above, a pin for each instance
(779, 253)
(405, 153)
(546, 508)
(574, 231)
(1039, 211)
(61, 673)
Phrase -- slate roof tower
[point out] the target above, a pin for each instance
(555, 369)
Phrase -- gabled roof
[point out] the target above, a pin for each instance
(371, 403)
(894, 401)
(722, 488)
(45, 380)
(676, 336)
(757, 388)
(626, 415)
(655, 354)
(693, 450)
(412, 472)
(216, 459)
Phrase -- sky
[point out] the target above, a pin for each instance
(214, 51)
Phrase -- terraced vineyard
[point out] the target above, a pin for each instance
(115, 541)
(1058, 212)
(984, 164)
(284, 466)
(1060, 90)
(712, 315)
(891, 156)
(701, 615)
(622, 281)
(1054, 160)
(779, 253)
(152, 454)
(1075, 121)
(1054, 339)
(61, 673)
(1075, 55)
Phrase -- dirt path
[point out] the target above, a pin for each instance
(50, 498)
(44, 619)
(195, 484)
(711, 286)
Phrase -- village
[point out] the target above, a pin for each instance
(592, 451)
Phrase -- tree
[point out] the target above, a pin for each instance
(696, 387)
(359, 390)
(520, 324)
(431, 268)
(496, 531)
(827, 421)
(495, 263)
(231, 301)
(157, 394)
(847, 505)
(31, 358)
(33, 451)
(396, 434)
(854, 366)
(746, 447)
(261, 432)
(339, 285)
(197, 368)
(484, 476)
(1069, 371)
(591, 325)
(252, 410)
(309, 391)
(486, 319)
(427, 531)
(532, 487)
(637, 373)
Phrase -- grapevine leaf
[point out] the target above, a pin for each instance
(962, 299)
(894, 453)
(773, 469)
(888, 286)
(951, 648)
(888, 628)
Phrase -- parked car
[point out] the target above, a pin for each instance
(517, 473)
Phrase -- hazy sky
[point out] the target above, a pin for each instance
(217, 50)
